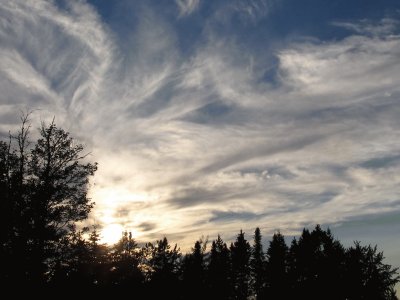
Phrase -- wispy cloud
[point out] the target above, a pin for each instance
(383, 27)
(186, 7)
(59, 57)
(253, 10)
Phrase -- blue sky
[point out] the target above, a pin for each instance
(211, 116)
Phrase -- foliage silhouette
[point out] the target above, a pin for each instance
(316, 261)
(125, 260)
(219, 275)
(240, 257)
(257, 265)
(276, 285)
(193, 272)
(44, 186)
(366, 276)
(165, 267)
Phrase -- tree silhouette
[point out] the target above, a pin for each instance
(99, 259)
(277, 285)
(57, 185)
(316, 261)
(7, 211)
(71, 267)
(366, 276)
(45, 188)
(330, 263)
(257, 264)
(164, 263)
(240, 253)
(219, 270)
(125, 259)
(14, 198)
(193, 272)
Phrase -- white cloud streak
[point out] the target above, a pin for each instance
(187, 7)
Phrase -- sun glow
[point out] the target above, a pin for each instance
(111, 233)
(114, 210)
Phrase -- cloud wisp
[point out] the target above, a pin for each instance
(186, 7)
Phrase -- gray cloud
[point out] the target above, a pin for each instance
(146, 226)
(251, 152)
(223, 216)
(381, 162)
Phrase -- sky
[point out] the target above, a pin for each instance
(209, 117)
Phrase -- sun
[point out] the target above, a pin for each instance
(111, 233)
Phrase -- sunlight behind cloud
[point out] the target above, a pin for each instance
(111, 233)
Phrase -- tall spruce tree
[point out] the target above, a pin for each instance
(125, 259)
(241, 253)
(165, 265)
(194, 272)
(317, 260)
(257, 265)
(366, 276)
(219, 273)
(276, 269)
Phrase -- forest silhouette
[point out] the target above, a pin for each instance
(43, 188)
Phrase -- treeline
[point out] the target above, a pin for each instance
(314, 266)
(43, 190)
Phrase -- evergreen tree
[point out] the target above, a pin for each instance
(240, 253)
(100, 259)
(125, 259)
(367, 277)
(304, 265)
(194, 272)
(164, 263)
(257, 265)
(72, 263)
(317, 261)
(293, 270)
(219, 270)
(330, 263)
(277, 285)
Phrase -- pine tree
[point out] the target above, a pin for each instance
(329, 266)
(71, 267)
(257, 265)
(240, 253)
(165, 265)
(367, 277)
(194, 272)
(125, 262)
(219, 271)
(317, 260)
(277, 268)
(100, 262)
